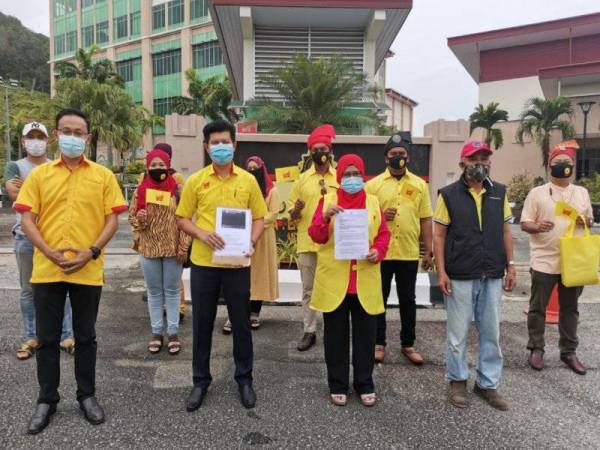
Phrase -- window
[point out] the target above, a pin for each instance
(164, 106)
(59, 44)
(71, 41)
(135, 23)
(59, 8)
(86, 3)
(158, 17)
(102, 32)
(166, 63)
(207, 54)
(71, 6)
(129, 70)
(175, 12)
(120, 27)
(198, 9)
(88, 36)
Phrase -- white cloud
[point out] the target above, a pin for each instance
(34, 14)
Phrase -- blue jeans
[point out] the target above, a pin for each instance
(479, 300)
(163, 278)
(24, 254)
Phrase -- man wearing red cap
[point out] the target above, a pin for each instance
(312, 185)
(545, 227)
(473, 251)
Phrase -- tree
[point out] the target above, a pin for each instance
(114, 116)
(486, 118)
(540, 117)
(210, 98)
(86, 68)
(314, 91)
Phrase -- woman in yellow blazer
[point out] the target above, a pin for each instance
(349, 290)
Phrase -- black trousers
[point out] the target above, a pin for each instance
(49, 299)
(406, 279)
(337, 347)
(256, 306)
(206, 284)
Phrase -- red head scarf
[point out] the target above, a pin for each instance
(564, 148)
(345, 200)
(168, 184)
(325, 134)
(261, 166)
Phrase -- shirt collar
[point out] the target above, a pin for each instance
(61, 162)
(388, 174)
(233, 171)
(313, 171)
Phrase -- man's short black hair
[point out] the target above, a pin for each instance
(73, 112)
(218, 126)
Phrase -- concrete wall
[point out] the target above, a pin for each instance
(511, 94)
(184, 133)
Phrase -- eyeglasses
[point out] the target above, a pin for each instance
(76, 133)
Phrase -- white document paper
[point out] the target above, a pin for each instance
(351, 234)
(235, 227)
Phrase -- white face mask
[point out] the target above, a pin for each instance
(35, 147)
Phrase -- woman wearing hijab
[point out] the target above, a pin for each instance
(346, 290)
(162, 247)
(264, 265)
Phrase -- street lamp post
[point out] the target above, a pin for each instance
(585, 109)
(8, 84)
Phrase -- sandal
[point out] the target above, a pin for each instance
(155, 345)
(27, 349)
(227, 327)
(68, 346)
(174, 346)
(339, 399)
(368, 399)
(254, 321)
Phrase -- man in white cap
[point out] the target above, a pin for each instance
(34, 142)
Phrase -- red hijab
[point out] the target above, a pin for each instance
(345, 200)
(261, 166)
(325, 134)
(168, 184)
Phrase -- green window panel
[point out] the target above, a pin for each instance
(120, 27)
(164, 46)
(207, 54)
(162, 107)
(59, 26)
(135, 5)
(134, 89)
(63, 7)
(86, 3)
(166, 63)
(119, 8)
(71, 38)
(210, 72)
(102, 32)
(101, 11)
(87, 17)
(204, 37)
(130, 54)
(59, 44)
(130, 70)
(158, 17)
(88, 36)
(135, 23)
(199, 11)
(71, 22)
(167, 86)
(175, 13)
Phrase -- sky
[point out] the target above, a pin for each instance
(423, 68)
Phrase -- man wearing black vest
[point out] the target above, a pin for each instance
(473, 252)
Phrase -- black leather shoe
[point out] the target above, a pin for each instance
(195, 399)
(92, 411)
(307, 341)
(247, 396)
(40, 418)
(574, 364)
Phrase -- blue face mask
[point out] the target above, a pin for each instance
(221, 154)
(352, 185)
(71, 146)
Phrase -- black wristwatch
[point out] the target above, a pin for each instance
(95, 252)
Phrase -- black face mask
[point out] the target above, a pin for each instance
(561, 170)
(260, 178)
(320, 158)
(477, 172)
(158, 175)
(398, 162)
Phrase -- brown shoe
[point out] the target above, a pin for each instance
(379, 353)
(492, 397)
(457, 394)
(536, 359)
(574, 364)
(412, 355)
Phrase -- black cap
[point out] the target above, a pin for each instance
(399, 139)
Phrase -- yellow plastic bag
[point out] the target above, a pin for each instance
(579, 257)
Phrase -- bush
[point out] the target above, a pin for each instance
(592, 185)
(518, 188)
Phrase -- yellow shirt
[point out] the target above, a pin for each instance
(71, 207)
(410, 196)
(308, 189)
(443, 217)
(205, 191)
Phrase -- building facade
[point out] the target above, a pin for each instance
(400, 112)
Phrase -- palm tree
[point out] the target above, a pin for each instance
(313, 92)
(486, 118)
(86, 68)
(210, 98)
(540, 117)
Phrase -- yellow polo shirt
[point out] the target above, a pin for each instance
(308, 189)
(71, 207)
(410, 196)
(443, 217)
(205, 191)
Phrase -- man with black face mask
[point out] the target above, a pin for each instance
(406, 203)
(473, 252)
(539, 218)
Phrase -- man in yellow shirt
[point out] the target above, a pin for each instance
(473, 252)
(302, 203)
(70, 209)
(404, 198)
(220, 184)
